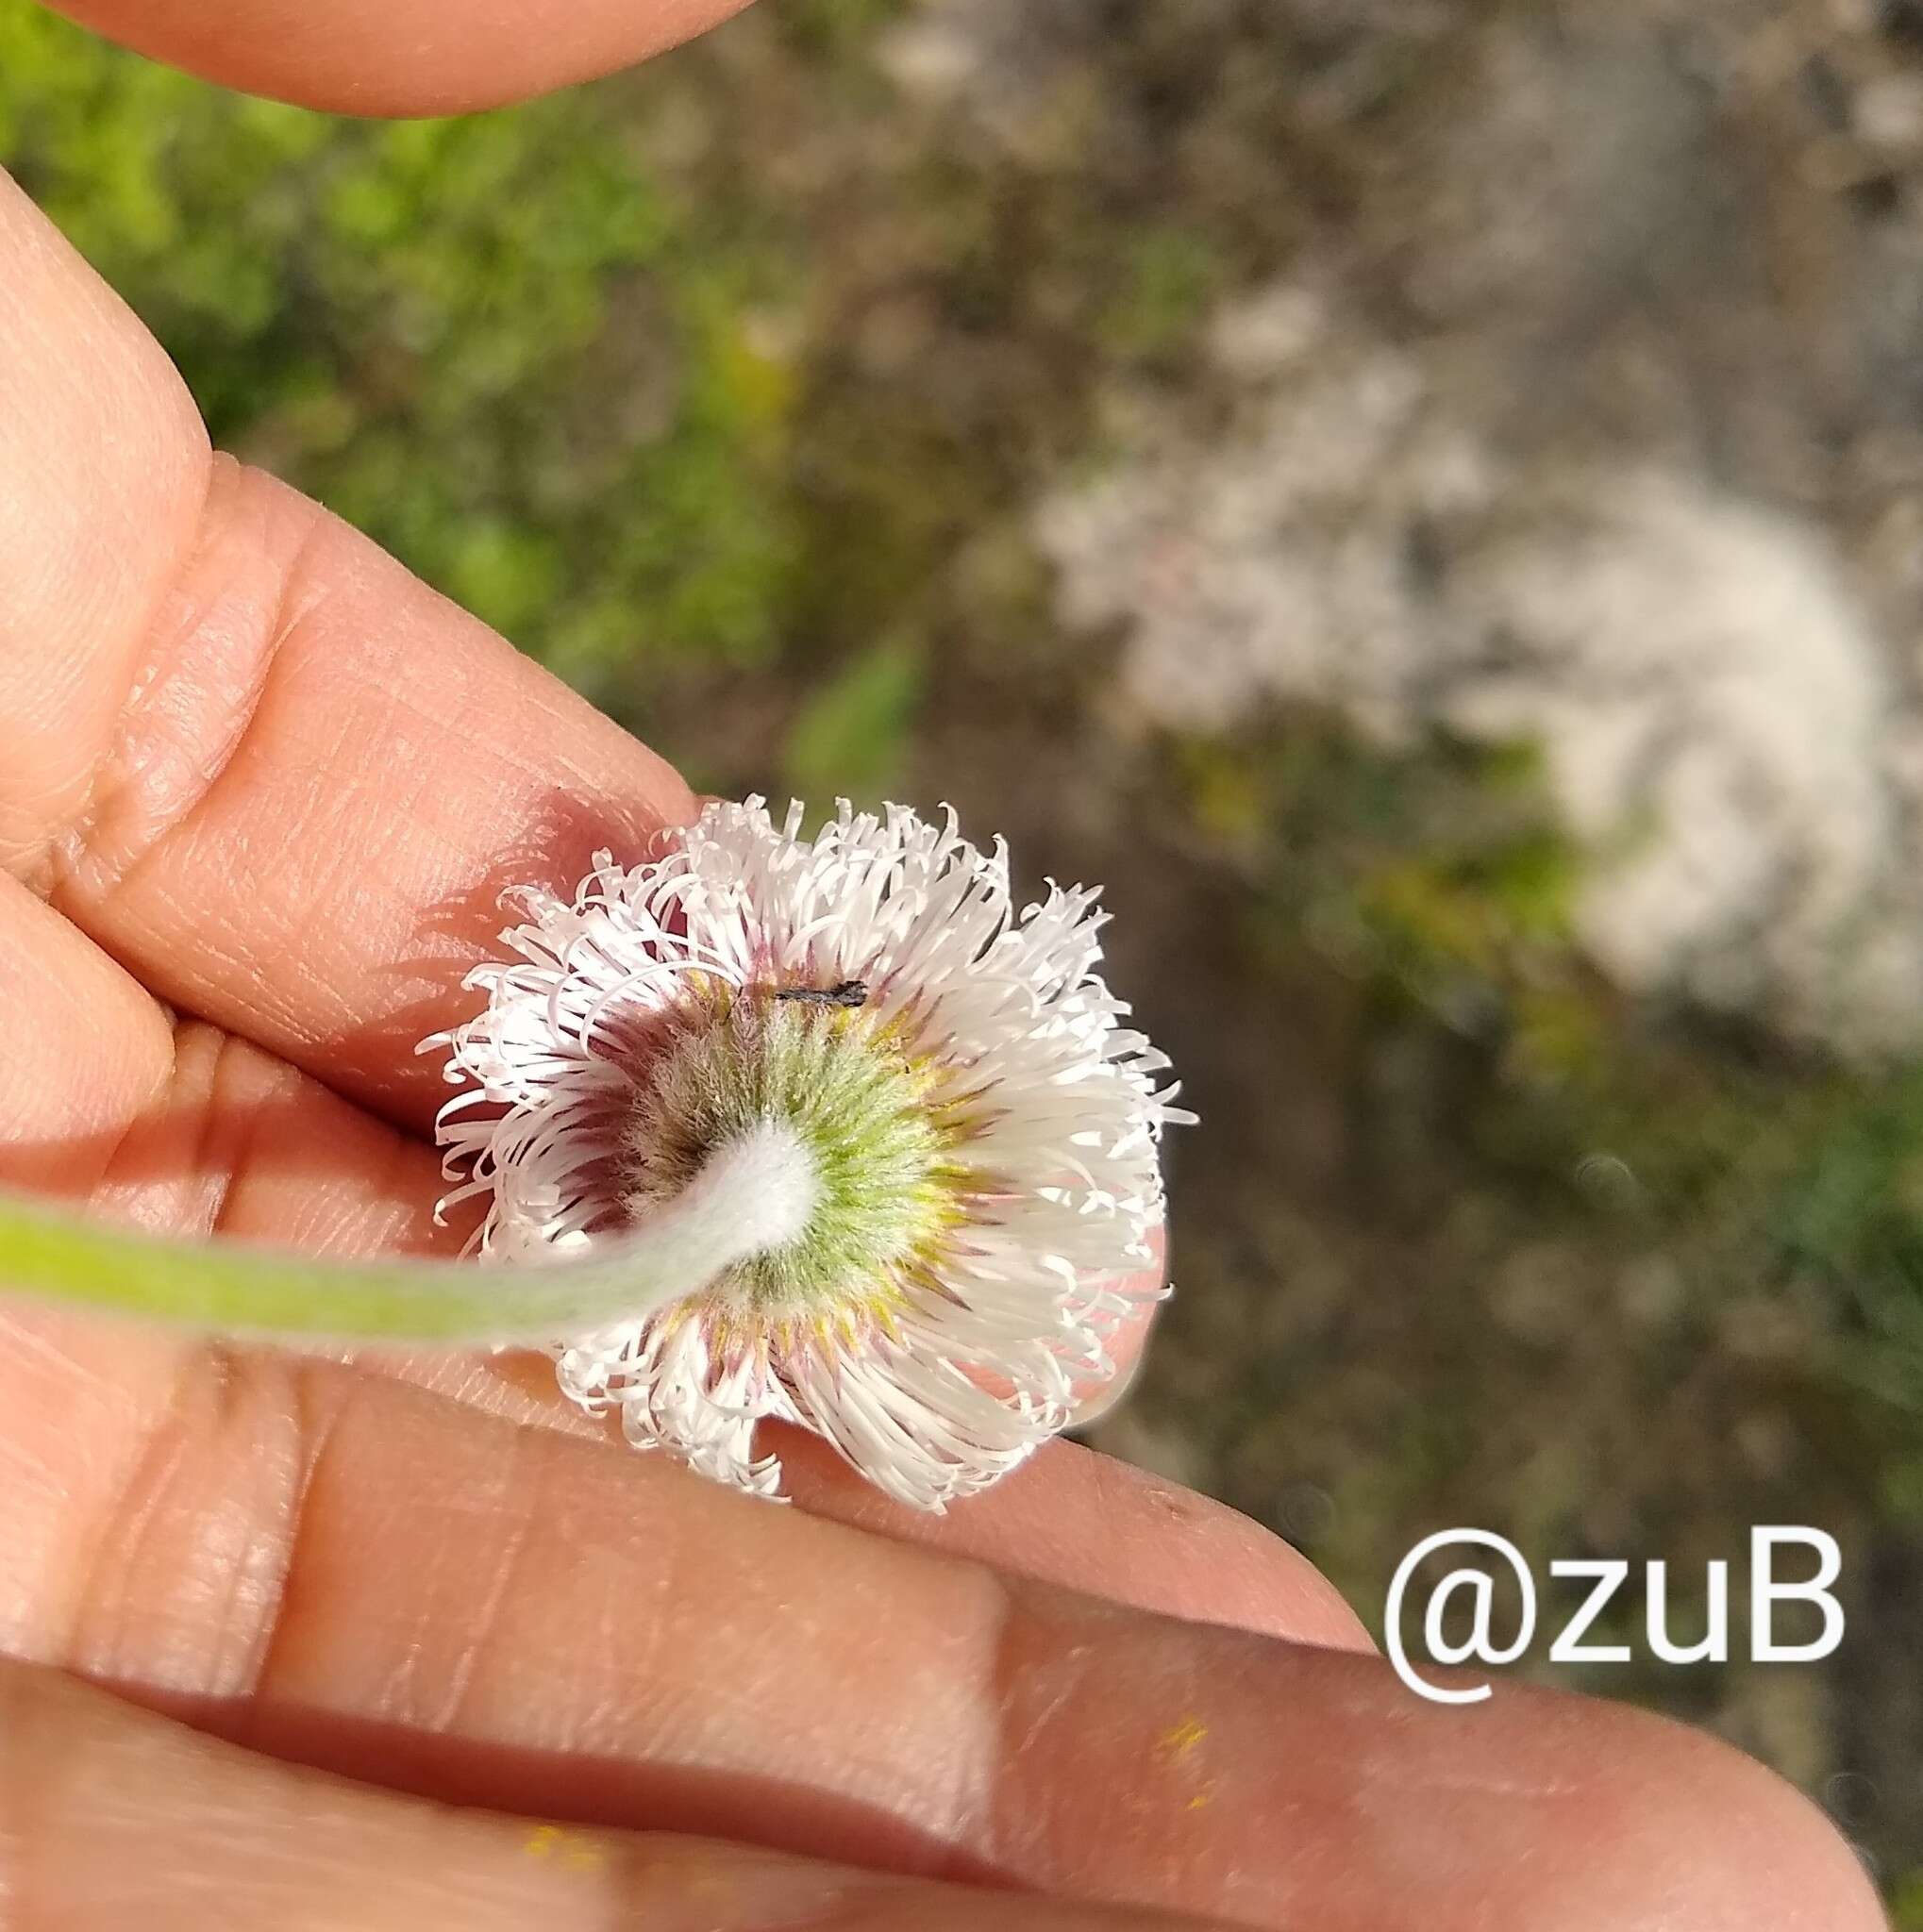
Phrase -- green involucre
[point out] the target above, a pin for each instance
(868, 1109)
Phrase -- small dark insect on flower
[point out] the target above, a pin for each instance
(849, 992)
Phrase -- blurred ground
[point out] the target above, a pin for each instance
(1423, 497)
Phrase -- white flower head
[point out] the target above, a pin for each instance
(980, 1129)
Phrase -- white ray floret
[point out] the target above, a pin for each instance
(980, 1131)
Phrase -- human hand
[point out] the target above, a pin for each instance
(257, 775)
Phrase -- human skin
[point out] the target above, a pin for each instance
(407, 1644)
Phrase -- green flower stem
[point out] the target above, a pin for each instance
(756, 1192)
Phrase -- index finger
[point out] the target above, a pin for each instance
(422, 57)
(255, 760)
(358, 1575)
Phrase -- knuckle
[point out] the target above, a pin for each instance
(194, 1554)
(197, 681)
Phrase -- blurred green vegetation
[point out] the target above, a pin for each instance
(636, 372)
(1170, 277)
(1440, 882)
(848, 735)
(498, 344)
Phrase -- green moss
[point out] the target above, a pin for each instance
(1847, 1213)
(1434, 869)
(835, 28)
(1169, 279)
(1438, 877)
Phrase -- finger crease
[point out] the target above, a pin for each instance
(85, 862)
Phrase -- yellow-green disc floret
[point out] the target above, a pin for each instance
(867, 1109)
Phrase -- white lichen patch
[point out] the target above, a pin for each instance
(1722, 724)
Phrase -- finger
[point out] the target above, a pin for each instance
(84, 1051)
(111, 1817)
(360, 1577)
(280, 779)
(179, 1128)
(429, 56)
(1086, 1521)
(1069, 1517)
(187, 1130)
(104, 1097)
